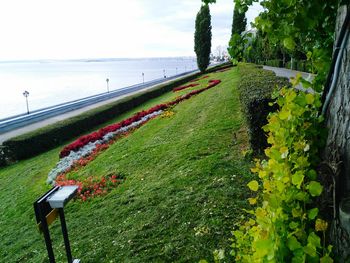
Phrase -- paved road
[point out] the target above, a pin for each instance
(288, 73)
(62, 116)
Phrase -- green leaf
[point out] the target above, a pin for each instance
(310, 98)
(293, 243)
(253, 185)
(314, 240)
(326, 259)
(297, 179)
(310, 250)
(262, 247)
(315, 188)
(312, 213)
(289, 43)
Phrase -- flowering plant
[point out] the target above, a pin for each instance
(185, 87)
(92, 186)
(86, 148)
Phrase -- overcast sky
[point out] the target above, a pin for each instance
(68, 29)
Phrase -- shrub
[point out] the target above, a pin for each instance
(48, 137)
(255, 92)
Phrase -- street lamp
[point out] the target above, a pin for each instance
(164, 73)
(107, 80)
(26, 94)
(143, 77)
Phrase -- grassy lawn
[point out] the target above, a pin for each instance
(184, 188)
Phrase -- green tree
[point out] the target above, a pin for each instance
(239, 22)
(237, 42)
(202, 37)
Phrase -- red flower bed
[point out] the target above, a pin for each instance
(185, 87)
(92, 187)
(92, 137)
(204, 77)
(83, 140)
(223, 70)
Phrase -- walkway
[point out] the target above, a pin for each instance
(288, 73)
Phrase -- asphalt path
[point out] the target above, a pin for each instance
(288, 73)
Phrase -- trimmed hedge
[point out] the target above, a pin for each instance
(255, 92)
(46, 138)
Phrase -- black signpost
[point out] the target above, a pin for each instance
(47, 208)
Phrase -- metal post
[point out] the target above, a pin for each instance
(107, 80)
(143, 77)
(176, 71)
(164, 73)
(47, 237)
(65, 235)
(26, 94)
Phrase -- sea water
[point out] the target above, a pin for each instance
(53, 82)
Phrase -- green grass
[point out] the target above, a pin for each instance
(184, 188)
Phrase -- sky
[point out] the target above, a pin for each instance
(73, 29)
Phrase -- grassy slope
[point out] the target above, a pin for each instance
(183, 192)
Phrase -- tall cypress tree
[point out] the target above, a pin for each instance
(202, 37)
(239, 22)
(236, 44)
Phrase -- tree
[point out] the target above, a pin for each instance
(237, 41)
(239, 22)
(336, 161)
(202, 37)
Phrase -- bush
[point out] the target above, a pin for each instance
(255, 90)
(274, 63)
(46, 138)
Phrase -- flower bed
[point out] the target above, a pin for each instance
(223, 70)
(185, 87)
(204, 77)
(92, 137)
(92, 186)
(86, 148)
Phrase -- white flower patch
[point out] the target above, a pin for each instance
(67, 162)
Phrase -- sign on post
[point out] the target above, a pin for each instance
(47, 208)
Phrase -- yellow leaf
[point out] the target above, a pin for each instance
(267, 186)
(252, 201)
(310, 98)
(253, 185)
(321, 225)
(262, 173)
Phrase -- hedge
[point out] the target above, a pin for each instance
(48, 137)
(255, 91)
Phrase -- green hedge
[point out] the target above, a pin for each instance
(46, 138)
(255, 89)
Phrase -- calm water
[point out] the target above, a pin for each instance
(51, 83)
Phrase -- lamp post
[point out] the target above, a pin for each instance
(143, 77)
(164, 73)
(26, 94)
(107, 80)
(176, 71)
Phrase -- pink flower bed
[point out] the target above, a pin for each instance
(185, 87)
(92, 137)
